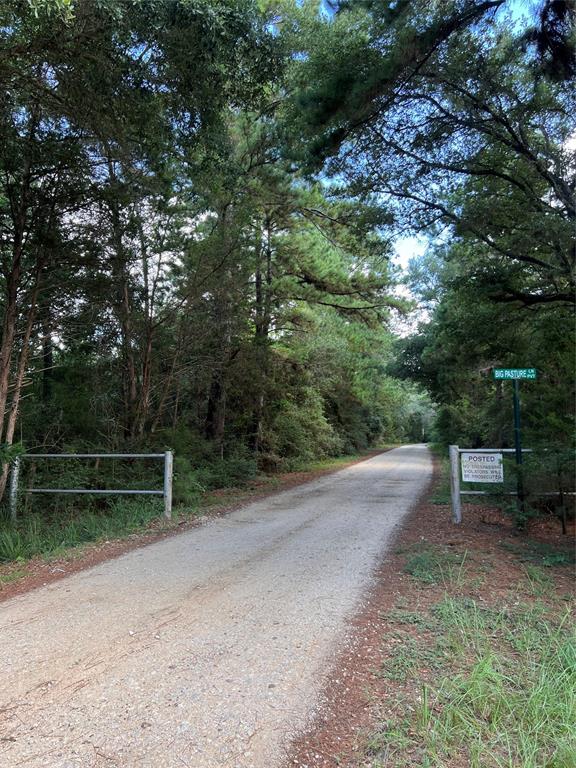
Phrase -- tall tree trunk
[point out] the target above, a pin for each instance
(123, 311)
(19, 205)
(14, 408)
(263, 296)
(215, 423)
(47, 354)
(216, 411)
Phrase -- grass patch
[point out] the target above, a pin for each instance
(539, 581)
(8, 578)
(504, 711)
(413, 618)
(441, 490)
(437, 566)
(503, 690)
(506, 698)
(541, 554)
(409, 656)
(35, 535)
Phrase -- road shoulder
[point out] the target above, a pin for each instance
(395, 650)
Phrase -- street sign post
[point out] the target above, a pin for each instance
(516, 375)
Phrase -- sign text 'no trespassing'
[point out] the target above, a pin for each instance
(482, 467)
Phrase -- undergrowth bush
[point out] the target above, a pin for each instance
(234, 470)
(301, 433)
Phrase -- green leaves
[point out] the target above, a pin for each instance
(436, 110)
(10, 452)
(63, 9)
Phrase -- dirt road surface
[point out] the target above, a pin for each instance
(205, 650)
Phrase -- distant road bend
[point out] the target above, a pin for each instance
(206, 649)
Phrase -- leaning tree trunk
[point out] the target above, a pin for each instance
(8, 335)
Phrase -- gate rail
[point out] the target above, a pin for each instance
(456, 492)
(166, 492)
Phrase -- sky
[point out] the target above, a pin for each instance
(407, 247)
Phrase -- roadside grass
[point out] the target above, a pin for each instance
(441, 490)
(409, 655)
(483, 683)
(35, 535)
(437, 566)
(14, 575)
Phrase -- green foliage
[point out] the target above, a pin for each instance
(234, 471)
(10, 452)
(437, 108)
(468, 334)
(300, 433)
(187, 487)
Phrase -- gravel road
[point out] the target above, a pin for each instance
(206, 649)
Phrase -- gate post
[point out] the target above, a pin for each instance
(168, 463)
(13, 497)
(455, 484)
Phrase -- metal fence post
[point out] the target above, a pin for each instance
(168, 464)
(455, 484)
(13, 499)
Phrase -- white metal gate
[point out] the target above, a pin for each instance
(165, 492)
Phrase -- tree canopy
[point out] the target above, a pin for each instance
(199, 205)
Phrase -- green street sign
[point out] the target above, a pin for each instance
(514, 373)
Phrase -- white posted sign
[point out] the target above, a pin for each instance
(482, 467)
